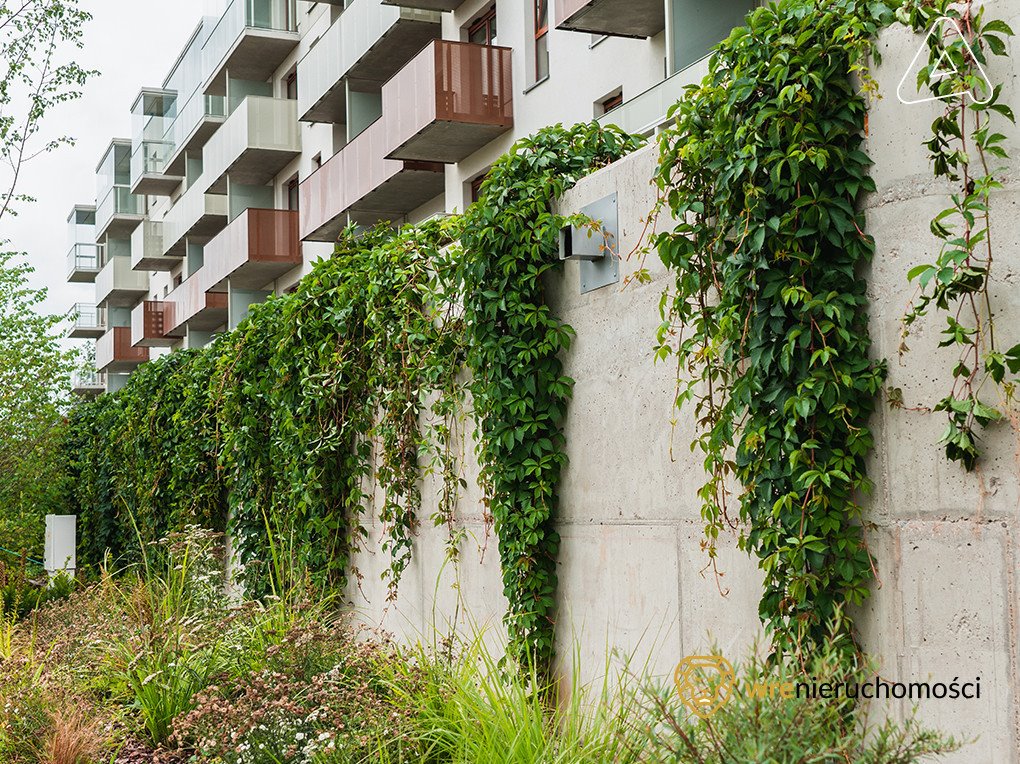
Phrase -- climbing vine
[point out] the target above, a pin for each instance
(763, 169)
(323, 393)
(514, 346)
(963, 148)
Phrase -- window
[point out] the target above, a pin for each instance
(476, 186)
(483, 31)
(290, 84)
(316, 161)
(178, 280)
(293, 194)
(612, 102)
(541, 39)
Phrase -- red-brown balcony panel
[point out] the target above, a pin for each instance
(256, 248)
(191, 305)
(429, 5)
(449, 101)
(115, 352)
(360, 183)
(620, 18)
(150, 324)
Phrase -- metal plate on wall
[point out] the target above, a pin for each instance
(605, 271)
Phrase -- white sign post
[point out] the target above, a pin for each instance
(61, 544)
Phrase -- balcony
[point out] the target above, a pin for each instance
(119, 213)
(197, 120)
(149, 169)
(258, 247)
(251, 40)
(83, 263)
(620, 18)
(152, 114)
(256, 142)
(196, 215)
(190, 305)
(645, 113)
(360, 182)
(150, 324)
(88, 322)
(195, 116)
(429, 5)
(370, 42)
(88, 383)
(147, 249)
(117, 286)
(451, 100)
(114, 352)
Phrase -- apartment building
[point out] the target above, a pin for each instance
(283, 121)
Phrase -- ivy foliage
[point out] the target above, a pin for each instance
(764, 168)
(144, 461)
(312, 383)
(968, 152)
(514, 346)
(339, 398)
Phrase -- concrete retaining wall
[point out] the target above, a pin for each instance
(632, 571)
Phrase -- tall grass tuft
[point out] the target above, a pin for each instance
(475, 711)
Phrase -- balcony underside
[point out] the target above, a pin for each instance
(156, 184)
(254, 167)
(194, 142)
(191, 307)
(210, 317)
(120, 226)
(428, 5)
(156, 262)
(86, 332)
(122, 298)
(255, 56)
(331, 108)
(620, 18)
(89, 389)
(207, 227)
(447, 142)
(401, 42)
(406, 190)
(83, 275)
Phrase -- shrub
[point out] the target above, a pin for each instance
(795, 729)
(324, 695)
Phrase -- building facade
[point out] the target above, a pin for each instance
(284, 121)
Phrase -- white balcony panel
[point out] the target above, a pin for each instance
(256, 142)
(196, 214)
(119, 286)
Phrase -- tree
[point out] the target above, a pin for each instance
(34, 386)
(36, 37)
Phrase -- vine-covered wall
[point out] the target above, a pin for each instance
(441, 423)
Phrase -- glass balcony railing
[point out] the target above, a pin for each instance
(83, 260)
(199, 108)
(150, 158)
(88, 381)
(241, 15)
(118, 201)
(86, 316)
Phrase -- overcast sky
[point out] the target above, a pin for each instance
(133, 43)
